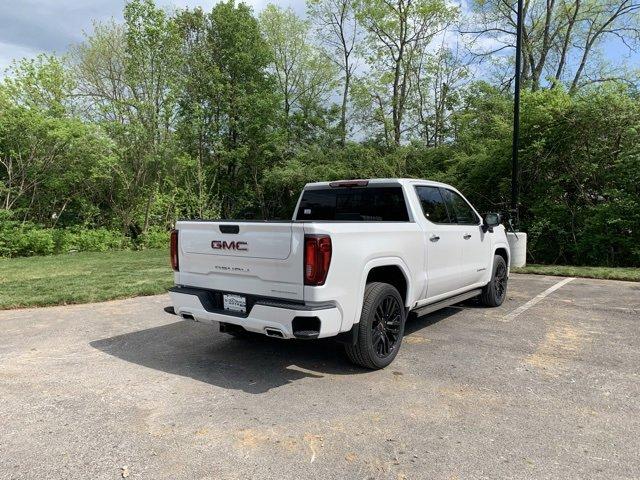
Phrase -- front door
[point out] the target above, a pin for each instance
(475, 242)
(443, 244)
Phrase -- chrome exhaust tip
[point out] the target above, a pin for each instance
(274, 332)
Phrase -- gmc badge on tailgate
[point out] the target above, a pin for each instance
(224, 245)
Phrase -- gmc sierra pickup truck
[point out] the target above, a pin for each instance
(356, 259)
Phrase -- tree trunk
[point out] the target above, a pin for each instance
(536, 71)
(343, 111)
(583, 63)
(565, 42)
(147, 213)
(395, 107)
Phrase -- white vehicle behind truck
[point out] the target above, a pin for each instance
(356, 259)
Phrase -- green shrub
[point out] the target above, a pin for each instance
(19, 239)
(154, 238)
(98, 240)
(34, 242)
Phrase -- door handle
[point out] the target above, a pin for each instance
(434, 238)
(467, 236)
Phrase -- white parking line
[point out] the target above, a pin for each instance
(534, 300)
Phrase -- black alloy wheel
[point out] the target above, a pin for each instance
(380, 329)
(385, 328)
(494, 292)
(500, 280)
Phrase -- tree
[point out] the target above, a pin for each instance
(305, 77)
(620, 19)
(560, 37)
(126, 82)
(151, 60)
(227, 109)
(337, 27)
(41, 83)
(49, 161)
(397, 33)
(437, 83)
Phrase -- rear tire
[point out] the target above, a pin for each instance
(381, 327)
(494, 292)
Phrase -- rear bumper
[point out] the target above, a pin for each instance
(263, 315)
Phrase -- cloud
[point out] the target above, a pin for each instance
(51, 25)
(10, 52)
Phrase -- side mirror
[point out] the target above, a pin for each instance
(491, 220)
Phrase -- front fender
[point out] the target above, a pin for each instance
(503, 245)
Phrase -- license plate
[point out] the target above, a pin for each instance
(234, 303)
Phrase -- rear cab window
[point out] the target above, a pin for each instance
(433, 205)
(354, 204)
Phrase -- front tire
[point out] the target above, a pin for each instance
(381, 327)
(494, 292)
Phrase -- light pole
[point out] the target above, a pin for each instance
(516, 118)
(517, 241)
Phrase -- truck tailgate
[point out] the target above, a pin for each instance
(258, 258)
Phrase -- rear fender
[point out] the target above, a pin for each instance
(381, 262)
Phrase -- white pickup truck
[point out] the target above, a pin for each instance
(355, 260)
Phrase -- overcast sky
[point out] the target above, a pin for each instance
(28, 27)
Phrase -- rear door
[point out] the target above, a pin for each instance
(443, 244)
(258, 258)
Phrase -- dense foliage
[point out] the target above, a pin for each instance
(227, 114)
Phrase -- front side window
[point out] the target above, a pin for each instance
(460, 211)
(433, 204)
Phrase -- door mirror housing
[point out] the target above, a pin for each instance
(491, 220)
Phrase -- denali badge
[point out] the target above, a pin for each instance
(224, 245)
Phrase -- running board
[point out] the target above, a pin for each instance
(447, 302)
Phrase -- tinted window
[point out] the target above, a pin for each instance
(370, 204)
(459, 209)
(433, 206)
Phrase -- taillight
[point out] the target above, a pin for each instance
(173, 250)
(317, 258)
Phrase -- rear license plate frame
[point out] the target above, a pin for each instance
(234, 303)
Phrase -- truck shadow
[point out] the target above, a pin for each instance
(415, 324)
(254, 365)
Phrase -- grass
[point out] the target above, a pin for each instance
(607, 273)
(82, 277)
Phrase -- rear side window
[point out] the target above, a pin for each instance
(433, 205)
(459, 209)
(369, 204)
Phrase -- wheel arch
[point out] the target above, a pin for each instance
(375, 270)
(391, 274)
(503, 251)
(378, 266)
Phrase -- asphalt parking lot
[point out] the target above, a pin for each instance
(546, 386)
